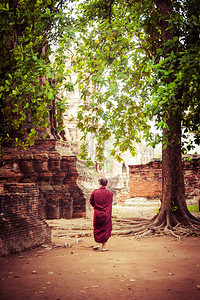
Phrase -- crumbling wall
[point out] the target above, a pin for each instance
(37, 184)
(53, 169)
(146, 180)
(20, 225)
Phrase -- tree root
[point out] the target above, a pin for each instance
(146, 228)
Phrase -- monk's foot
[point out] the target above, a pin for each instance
(96, 247)
(105, 249)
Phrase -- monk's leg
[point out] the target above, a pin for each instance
(104, 247)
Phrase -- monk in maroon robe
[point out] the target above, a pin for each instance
(101, 199)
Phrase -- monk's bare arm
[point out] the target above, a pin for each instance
(92, 199)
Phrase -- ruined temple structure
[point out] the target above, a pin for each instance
(145, 180)
(37, 184)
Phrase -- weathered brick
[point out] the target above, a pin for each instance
(20, 224)
(146, 180)
(36, 184)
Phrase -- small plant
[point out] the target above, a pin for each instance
(174, 207)
(157, 210)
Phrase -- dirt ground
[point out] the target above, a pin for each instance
(143, 269)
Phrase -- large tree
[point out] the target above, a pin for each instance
(30, 33)
(139, 61)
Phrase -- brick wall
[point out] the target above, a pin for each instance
(192, 179)
(36, 184)
(54, 172)
(20, 225)
(146, 180)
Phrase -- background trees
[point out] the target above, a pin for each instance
(139, 61)
(29, 82)
(136, 61)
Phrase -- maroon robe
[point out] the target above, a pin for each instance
(101, 199)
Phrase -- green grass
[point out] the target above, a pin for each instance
(193, 208)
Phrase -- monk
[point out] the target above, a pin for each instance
(101, 199)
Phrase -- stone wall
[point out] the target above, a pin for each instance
(51, 167)
(20, 225)
(36, 184)
(146, 180)
(192, 179)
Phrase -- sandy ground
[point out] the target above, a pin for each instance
(149, 268)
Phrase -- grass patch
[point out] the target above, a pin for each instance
(193, 208)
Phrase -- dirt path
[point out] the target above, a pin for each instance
(145, 269)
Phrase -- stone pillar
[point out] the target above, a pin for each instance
(67, 207)
(9, 171)
(58, 175)
(51, 204)
(68, 165)
(26, 167)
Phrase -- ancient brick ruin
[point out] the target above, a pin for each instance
(146, 180)
(37, 184)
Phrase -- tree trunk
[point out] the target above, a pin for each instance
(173, 206)
(173, 192)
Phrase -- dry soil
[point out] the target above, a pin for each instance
(154, 268)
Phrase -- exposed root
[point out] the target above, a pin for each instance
(145, 233)
(144, 228)
(171, 232)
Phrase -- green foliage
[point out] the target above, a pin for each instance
(173, 207)
(193, 208)
(33, 37)
(130, 71)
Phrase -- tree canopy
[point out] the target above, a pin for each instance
(29, 81)
(138, 61)
(128, 70)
